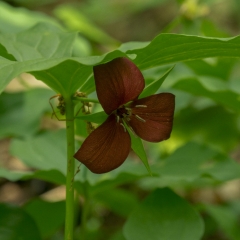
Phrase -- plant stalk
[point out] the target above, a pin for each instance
(69, 218)
(85, 205)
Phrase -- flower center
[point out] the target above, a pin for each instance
(124, 113)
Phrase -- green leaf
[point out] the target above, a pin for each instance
(226, 218)
(193, 161)
(47, 153)
(164, 215)
(40, 41)
(193, 164)
(220, 68)
(49, 216)
(17, 19)
(16, 224)
(64, 75)
(44, 152)
(89, 86)
(16, 112)
(65, 78)
(53, 176)
(172, 48)
(202, 125)
(212, 88)
(98, 117)
(164, 49)
(154, 86)
(128, 172)
(13, 175)
(137, 147)
(5, 54)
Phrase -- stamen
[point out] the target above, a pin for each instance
(140, 119)
(123, 127)
(129, 109)
(118, 118)
(141, 106)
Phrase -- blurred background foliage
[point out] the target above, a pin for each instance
(205, 137)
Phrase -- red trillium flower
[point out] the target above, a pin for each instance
(118, 85)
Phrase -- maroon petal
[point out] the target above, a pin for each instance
(152, 117)
(106, 148)
(117, 82)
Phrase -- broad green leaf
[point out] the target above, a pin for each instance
(212, 88)
(64, 78)
(40, 41)
(47, 153)
(53, 176)
(44, 152)
(226, 218)
(17, 19)
(221, 168)
(186, 162)
(5, 54)
(17, 117)
(63, 75)
(98, 117)
(49, 216)
(48, 71)
(192, 164)
(156, 53)
(132, 45)
(193, 161)
(14, 20)
(172, 48)
(164, 215)
(202, 124)
(220, 68)
(154, 86)
(13, 175)
(6, 72)
(16, 224)
(128, 172)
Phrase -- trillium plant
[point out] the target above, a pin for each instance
(111, 104)
(118, 86)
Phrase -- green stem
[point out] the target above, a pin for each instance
(69, 218)
(83, 99)
(85, 205)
